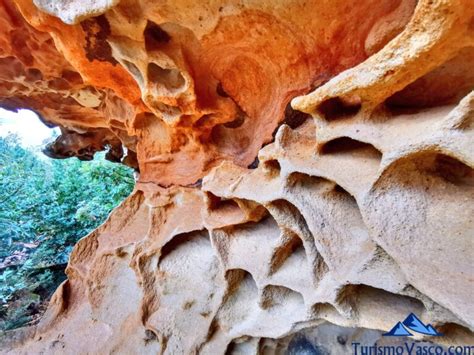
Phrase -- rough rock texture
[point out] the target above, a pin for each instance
(254, 219)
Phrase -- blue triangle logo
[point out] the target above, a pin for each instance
(398, 331)
(413, 323)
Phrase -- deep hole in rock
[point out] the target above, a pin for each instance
(340, 189)
(453, 170)
(433, 172)
(346, 196)
(337, 108)
(72, 77)
(175, 242)
(272, 165)
(450, 329)
(167, 111)
(171, 79)
(197, 184)
(254, 164)
(150, 335)
(215, 202)
(237, 278)
(231, 348)
(294, 118)
(155, 36)
(59, 84)
(220, 90)
(238, 121)
(275, 295)
(241, 345)
(323, 309)
(349, 201)
(299, 344)
(444, 85)
(352, 296)
(302, 180)
(204, 120)
(347, 144)
(292, 245)
(34, 74)
(225, 140)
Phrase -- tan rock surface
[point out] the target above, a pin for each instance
(356, 212)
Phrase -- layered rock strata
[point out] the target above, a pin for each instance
(300, 162)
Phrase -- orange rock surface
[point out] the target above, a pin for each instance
(299, 162)
(185, 86)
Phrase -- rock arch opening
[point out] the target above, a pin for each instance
(46, 206)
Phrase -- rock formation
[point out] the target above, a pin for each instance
(300, 162)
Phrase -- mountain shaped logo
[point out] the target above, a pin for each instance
(414, 324)
(398, 331)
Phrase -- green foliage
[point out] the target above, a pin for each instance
(46, 206)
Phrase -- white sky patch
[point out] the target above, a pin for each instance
(27, 125)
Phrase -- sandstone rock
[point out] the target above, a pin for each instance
(73, 11)
(254, 220)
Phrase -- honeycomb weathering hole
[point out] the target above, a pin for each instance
(350, 297)
(155, 36)
(34, 74)
(294, 118)
(220, 90)
(337, 108)
(235, 278)
(237, 122)
(133, 69)
(346, 144)
(215, 203)
(293, 244)
(171, 79)
(272, 166)
(274, 295)
(447, 84)
(176, 242)
(168, 112)
(441, 167)
(453, 170)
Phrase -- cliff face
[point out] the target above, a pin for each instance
(299, 162)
